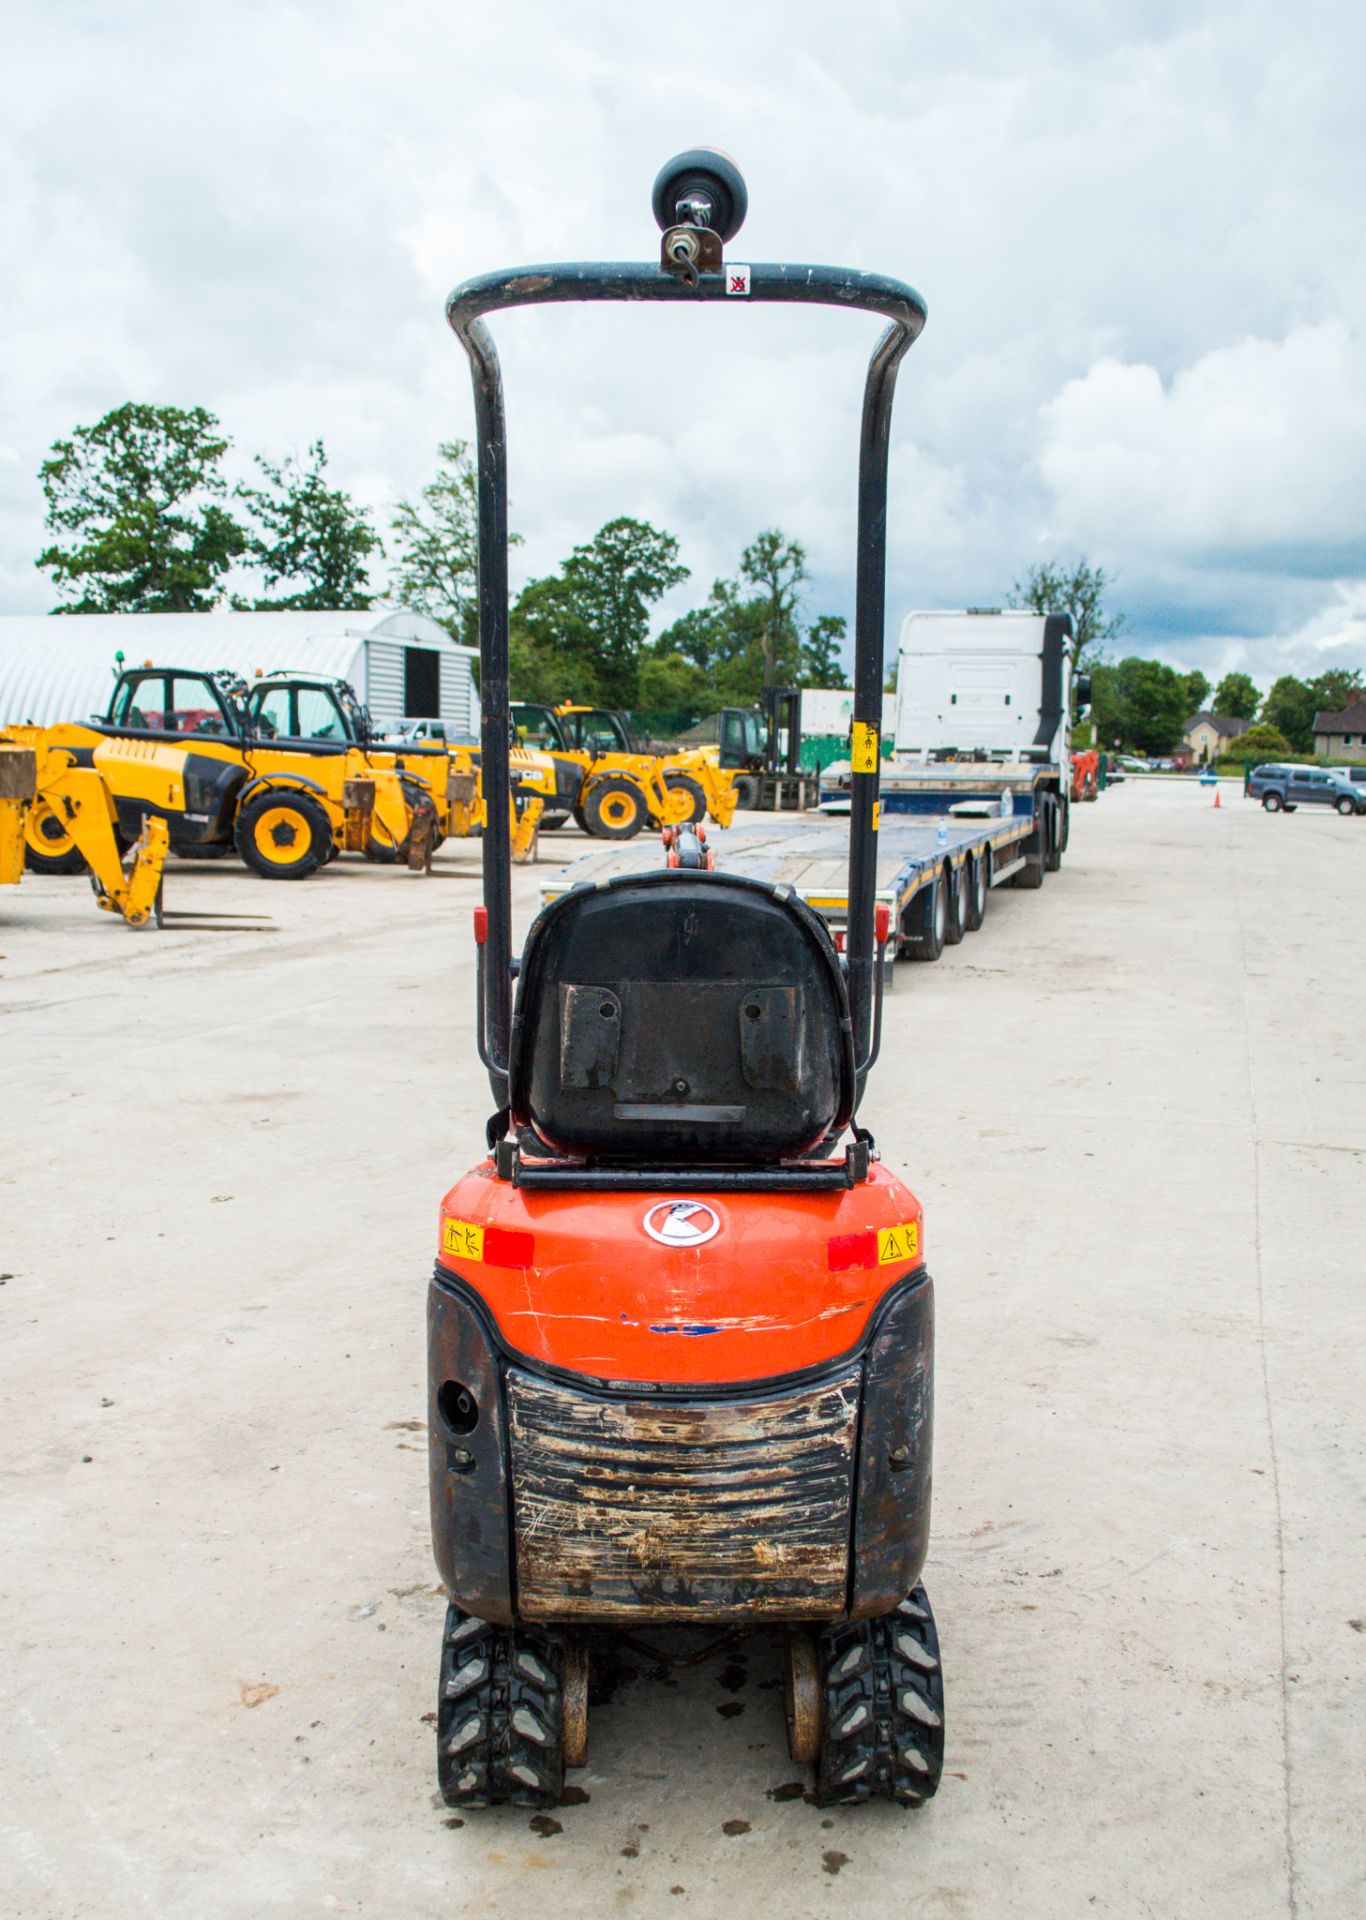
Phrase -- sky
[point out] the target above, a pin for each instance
(1137, 226)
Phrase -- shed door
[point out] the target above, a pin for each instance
(422, 683)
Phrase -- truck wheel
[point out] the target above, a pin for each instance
(614, 809)
(1030, 876)
(500, 1714)
(1055, 819)
(882, 1714)
(49, 846)
(282, 835)
(931, 911)
(683, 784)
(956, 920)
(1272, 802)
(1067, 820)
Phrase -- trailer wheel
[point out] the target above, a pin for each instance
(282, 835)
(49, 845)
(930, 910)
(882, 1708)
(956, 919)
(976, 866)
(614, 809)
(685, 786)
(1057, 834)
(500, 1714)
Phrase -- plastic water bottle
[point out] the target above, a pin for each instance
(942, 833)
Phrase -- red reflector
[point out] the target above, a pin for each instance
(481, 925)
(882, 924)
(505, 1248)
(851, 1250)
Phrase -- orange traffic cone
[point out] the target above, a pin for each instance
(1216, 796)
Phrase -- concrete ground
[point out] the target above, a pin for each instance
(1135, 1109)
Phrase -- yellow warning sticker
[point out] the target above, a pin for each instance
(863, 747)
(877, 811)
(462, 1238)
(898, 1243)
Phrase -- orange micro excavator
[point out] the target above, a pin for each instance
(680, 1329)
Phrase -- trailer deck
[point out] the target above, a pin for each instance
(810, 854)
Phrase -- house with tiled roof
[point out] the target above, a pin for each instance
(1207, 735)
(1341, 736)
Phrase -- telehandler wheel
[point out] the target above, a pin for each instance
(282, 835)
(550, 821)
(683, 785)
(746, 790)
(931, 918)
(501, 1703)
(614, 809)
(882, 1712)
(49, 845)
(956, 923)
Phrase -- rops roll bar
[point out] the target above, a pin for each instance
(699, 201)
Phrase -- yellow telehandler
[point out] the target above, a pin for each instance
(38, 778)
(610, 784)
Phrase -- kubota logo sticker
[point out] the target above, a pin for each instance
(898, 1243)
(682, 1223)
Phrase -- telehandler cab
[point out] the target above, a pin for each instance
(680, 1326)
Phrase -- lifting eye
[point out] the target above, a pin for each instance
(458, 1407)
(608, 1010)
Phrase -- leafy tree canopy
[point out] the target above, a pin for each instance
(134, 506)
(1053, 587)
(1259, 743)
(1140, 704)
(749, 633)
(309, 538)
(1197, 686)
(1236, 697)
(1292, 704)
(436, 546)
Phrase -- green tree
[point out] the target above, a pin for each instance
(308, 537)
(776, 568)
(1236, 697)
(436, 546)
(1052, 588)
(1261, 742)
(551, 646)
(134, 506)
(669, 683)
(1292, 704)
(1197, 687)
(607, 587)
(821, 666)
(1139, 703)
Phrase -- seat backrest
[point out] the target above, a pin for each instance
(676, 1019)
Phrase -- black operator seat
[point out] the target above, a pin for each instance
(672, 1018)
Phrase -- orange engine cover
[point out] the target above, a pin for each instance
(680, 1289)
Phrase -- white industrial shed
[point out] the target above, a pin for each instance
(401, 664)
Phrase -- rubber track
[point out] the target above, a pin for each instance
(884, 1708)
(499, 1715)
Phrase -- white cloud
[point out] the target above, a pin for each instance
(1257, 450)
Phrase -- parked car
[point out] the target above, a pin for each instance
(1282, 788)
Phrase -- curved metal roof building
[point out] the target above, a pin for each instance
(403, 665)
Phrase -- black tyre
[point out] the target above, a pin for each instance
(697, 798)
(930, 917)
(1289, 806)
(499, 1714)
(1055, 816)
(551, 821)
(1066, 833)
(48, 843)
(1030, 876)
(977, 867)
(283, 834)
(882, 1731)
(747, 790)
(1272, 802)
(1346, 805)
(614, 809)
(956, 920)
